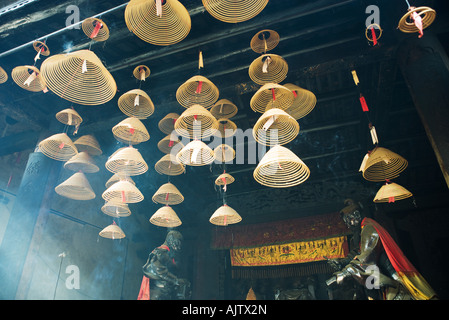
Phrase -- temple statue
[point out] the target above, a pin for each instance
(300, 289)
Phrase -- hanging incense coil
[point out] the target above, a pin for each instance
(275, 127)
(118, 177)
(77, 187)
(167, 124)
(370, 32)
(224, 179)
(382, 164)
(3, 76)
(69, 117)
(123, 192)
(127, 161)
(58, 147)
(196, 153)
(232, 11)
(165, 217)
(29, 78)
(95, 29)
(79, 77)
(224, 216)
(224, 153)
(196, 123)
(81, 162)
(304, 101)
(427, 15)
(169, 166)
(264, 41)
(281, 168)
(268, 68)
(224, 109)
(116, 209)
(141, 72)
(271, 95)
(226, 128)
(112, 231)
(131, 131)
(170, 144)
(42, 48)
(168, 194)
(171, 26)
(197, 90)
(391, 192)
(89, 144)
(136, 103)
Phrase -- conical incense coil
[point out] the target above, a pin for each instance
(196, 153)
(224, 216)
(271, 95)
(69, 117)
(112, 231)
(168, 194)
(196, 123)
(224, 179)
(127, 161)
(77, 187)
(95, 29)
(116, 209)
(79, 77)
(162, 26)
(165, 217)
(281, 168)
(170, 144)
(81, 162)
(197, 90)
(58, 147)
(131, 131)
(118, 177)
(224, 153)
(136, 103)
(169, 166)
(226, 128)
(391, 192)
(264, 41)
(141, 72)
(232, 11)
(275, 127)
(407, 24)
(268, 68)
(167, 123)
(224, 109)
(89, 144)
(41, 48)
(29, 78)
(123, 192)
(382, 164)
(304, 101)
(3, 76)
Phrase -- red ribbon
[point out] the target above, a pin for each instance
(364, 104)
(97, 28)
(144, 293)
(373, 33)
(200, 86)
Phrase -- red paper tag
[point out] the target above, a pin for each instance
(166, 197)
(61, 145)
(131, 130)
(391, 200)
(274, 95)
(373, 33)
(364, 104)
(97, 28)
(123, 196)
(200, 86)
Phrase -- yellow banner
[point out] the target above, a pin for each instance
(290, 253)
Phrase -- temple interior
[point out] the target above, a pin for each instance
(261, 222)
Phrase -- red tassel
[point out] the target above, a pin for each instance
(364, 104)
(200, 86)
(94, 33)
(373, 32)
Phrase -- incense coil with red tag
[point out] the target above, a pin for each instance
(136, 103)
(167, 123)
(95, 29)
(268, 68)
(58, 147)
(417, 19)
(131, 131)
(169, 165)
(197, 90)
(196, 153)
(232, 11)
(29, 78)
(304, 101)
(226, 128)
(127, 161)
(224, 216)
(275, 127)
(196, 123)
(76, 187)
(170, 144)
(168, 194)
(141, 72)
(165, 217)
(224, 109)
(271, 95)
(41, 48)
(382, 164)
(123, 192)
(391, 192)
(89, 144)
(3, 76)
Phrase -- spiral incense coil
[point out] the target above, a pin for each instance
(196, 153)
(383, 164)
(112, 231)
(140, 107)
(118, 177)
(58, 147)
(165, 217)
(224, 216)
(226, 128)
(169, 166)
(127, 161)
(224, 179)
(391, 192)
(224, 109)
(168, 194)
(197, 90)
(232, 11)
(69, 117)
(89, 144)
(169, 26)
(224, 153)
(3, 76)
(41, 47)
(76, 187)
(370, 32)
(95, 29)
(81, 162)
(131, 130)
(141, 72)
(196, 123)
(268, 68)
(407, 25)
(271, 95)
(116, 209)
(264, 41)
(79, 77)
(29, 78)
(304, 101)
(123, 192)
(281, 168)
(167, 124)
(167, 145)
(275, 127)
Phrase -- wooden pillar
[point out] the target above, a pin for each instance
(425, 67)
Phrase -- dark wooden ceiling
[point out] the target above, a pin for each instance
(321, 40)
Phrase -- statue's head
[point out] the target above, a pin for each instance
(351, 214)
(174, 240)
